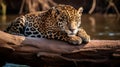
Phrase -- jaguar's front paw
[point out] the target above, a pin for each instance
(75, 40)
(83, 35)
(86, 39)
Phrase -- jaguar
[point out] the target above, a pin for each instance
(61, 22)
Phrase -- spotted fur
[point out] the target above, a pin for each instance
(61, 22)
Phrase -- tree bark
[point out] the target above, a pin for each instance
(38, 52)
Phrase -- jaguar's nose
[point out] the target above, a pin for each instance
(72, 30)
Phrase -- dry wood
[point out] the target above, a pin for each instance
(40, 52)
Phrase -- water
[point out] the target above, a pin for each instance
(98, 26)
(14, 65)
(102, 27)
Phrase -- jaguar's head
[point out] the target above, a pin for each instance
(68, 18)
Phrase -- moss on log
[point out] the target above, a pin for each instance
(40, 52)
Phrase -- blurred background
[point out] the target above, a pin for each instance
(101, 18)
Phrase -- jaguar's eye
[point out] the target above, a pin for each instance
(59, 24)
(60, 19)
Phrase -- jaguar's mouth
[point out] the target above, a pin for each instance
(71, 32)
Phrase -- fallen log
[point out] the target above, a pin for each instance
(38, 52)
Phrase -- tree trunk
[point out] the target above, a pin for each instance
(38, 52)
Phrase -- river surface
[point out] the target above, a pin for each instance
(98, 26)
(102, 27)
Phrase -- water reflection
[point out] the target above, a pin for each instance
(102, 27)
(93, 23)
(5, 20)
(98, 26)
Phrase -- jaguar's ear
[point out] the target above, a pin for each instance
(55, 11)
(80, 10)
